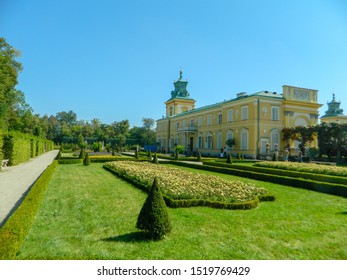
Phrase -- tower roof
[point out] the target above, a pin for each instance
(333, 109)
(180, 91)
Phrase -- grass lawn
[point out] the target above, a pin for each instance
(88, 213)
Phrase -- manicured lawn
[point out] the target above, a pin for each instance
(88, 213)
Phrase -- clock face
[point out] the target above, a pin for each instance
(301, 94)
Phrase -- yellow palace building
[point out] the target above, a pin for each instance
(255, 121)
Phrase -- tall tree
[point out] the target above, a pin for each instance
(9, 70)
(148, 124)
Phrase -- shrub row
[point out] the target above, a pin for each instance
(1, 144)
(324, 187)
(18, 225)
(19, 147)
(176, 203)
(283, 172)
(74, 160)
(70, 160)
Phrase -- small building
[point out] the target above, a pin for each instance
(254, 120)
(334, 114)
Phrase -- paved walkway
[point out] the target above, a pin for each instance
(16, 180)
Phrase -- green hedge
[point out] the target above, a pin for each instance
(176, 203)
(70, 160)
(324, 187)
(19, 147)
(283, 172)
(18, 225)
(1, 144)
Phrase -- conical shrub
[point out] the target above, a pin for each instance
(229, 160)
(155, 159)
(199, 157)
(82, 153)
(153, 217)
(86, 160)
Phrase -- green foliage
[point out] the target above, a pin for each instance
(231, 142)
(19, 147)
(275, 157)
(1, 153)
(97, 146)
(82, 153)
(86, 160)
(229, 160)
(179, 149)
(199, 157)
(58, 155)
(137, 154)
(153, 217)
(70, 161)
(18, 225)
(149, 154)
(155, 159)
(176, 154)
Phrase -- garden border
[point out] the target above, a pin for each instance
(323, 187)
(176, 203)
(13, 232)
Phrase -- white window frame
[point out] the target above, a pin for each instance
(209, 141)
(230, 115)
(275, 113)
(220, 118)
(219, 140)
(200, 141)
(230, 134)
(209, 119)
(244, 113)
(244, 139)
(191, 122)
(200, 121)
(275, 138)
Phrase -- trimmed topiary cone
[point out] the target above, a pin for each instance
(86, 160)
(82, 153)
(199, 156)
(229, 160)
(153, 216)
(155, 159)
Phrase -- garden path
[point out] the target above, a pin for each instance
(15, 181)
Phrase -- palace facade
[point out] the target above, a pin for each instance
(254, 120)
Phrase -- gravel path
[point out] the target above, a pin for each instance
(15, 181)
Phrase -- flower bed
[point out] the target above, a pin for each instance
(179, 184)
(305, 167)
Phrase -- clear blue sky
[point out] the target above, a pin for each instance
(116, 60)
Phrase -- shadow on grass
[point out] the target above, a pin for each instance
(137, 236)
(343, 213)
